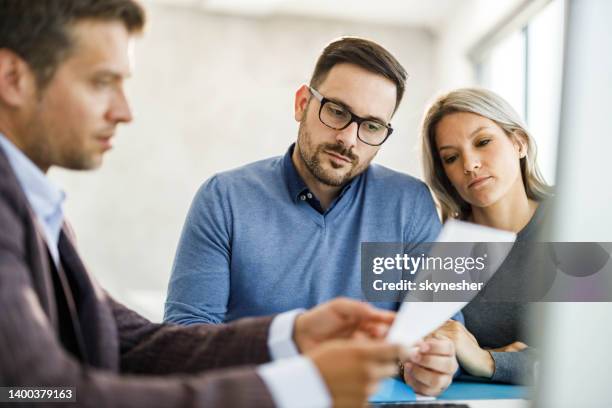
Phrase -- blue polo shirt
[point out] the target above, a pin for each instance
(256, 242)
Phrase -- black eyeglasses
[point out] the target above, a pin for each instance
(337, 117)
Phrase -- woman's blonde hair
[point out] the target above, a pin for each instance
(487, 104)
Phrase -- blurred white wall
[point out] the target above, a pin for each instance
(210, 93)
(454, 40)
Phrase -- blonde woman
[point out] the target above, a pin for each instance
(480, 162)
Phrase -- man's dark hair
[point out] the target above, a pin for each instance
(38, 30)
(365, 54)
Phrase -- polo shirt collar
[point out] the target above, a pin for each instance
(297, 187)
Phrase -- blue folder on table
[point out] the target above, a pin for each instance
(394, 390)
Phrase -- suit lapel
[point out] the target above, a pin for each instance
(57, 296)
(95, 318)
(41, 270)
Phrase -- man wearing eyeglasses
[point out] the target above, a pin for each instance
(285, 232)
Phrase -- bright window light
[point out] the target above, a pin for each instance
(525, 68)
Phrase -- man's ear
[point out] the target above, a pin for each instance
(302, 96)
(17, 82)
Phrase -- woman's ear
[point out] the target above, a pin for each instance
(520, 141)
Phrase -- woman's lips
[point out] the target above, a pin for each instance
(479, 181)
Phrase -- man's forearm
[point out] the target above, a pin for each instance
(167, 348)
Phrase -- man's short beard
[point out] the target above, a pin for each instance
(313, 164)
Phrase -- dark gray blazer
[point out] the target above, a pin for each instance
(58, 328)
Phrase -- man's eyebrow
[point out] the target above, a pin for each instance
(110, 74)
(348, 107)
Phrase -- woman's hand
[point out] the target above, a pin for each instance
(516, 346)
(430, 366)
(471, 356)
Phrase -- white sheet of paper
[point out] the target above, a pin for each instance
(415, 320)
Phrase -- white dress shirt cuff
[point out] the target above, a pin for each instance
(295, 383)
(280, 336)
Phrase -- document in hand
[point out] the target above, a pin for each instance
(416, 318)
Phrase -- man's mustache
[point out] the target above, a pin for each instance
(341, 150)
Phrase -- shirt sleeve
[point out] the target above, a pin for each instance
(514, 367)
(295, 383)
(280, 339)
(426, 224)
(293, 380)
(199, 286)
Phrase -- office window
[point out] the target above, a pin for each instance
(525, 67)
